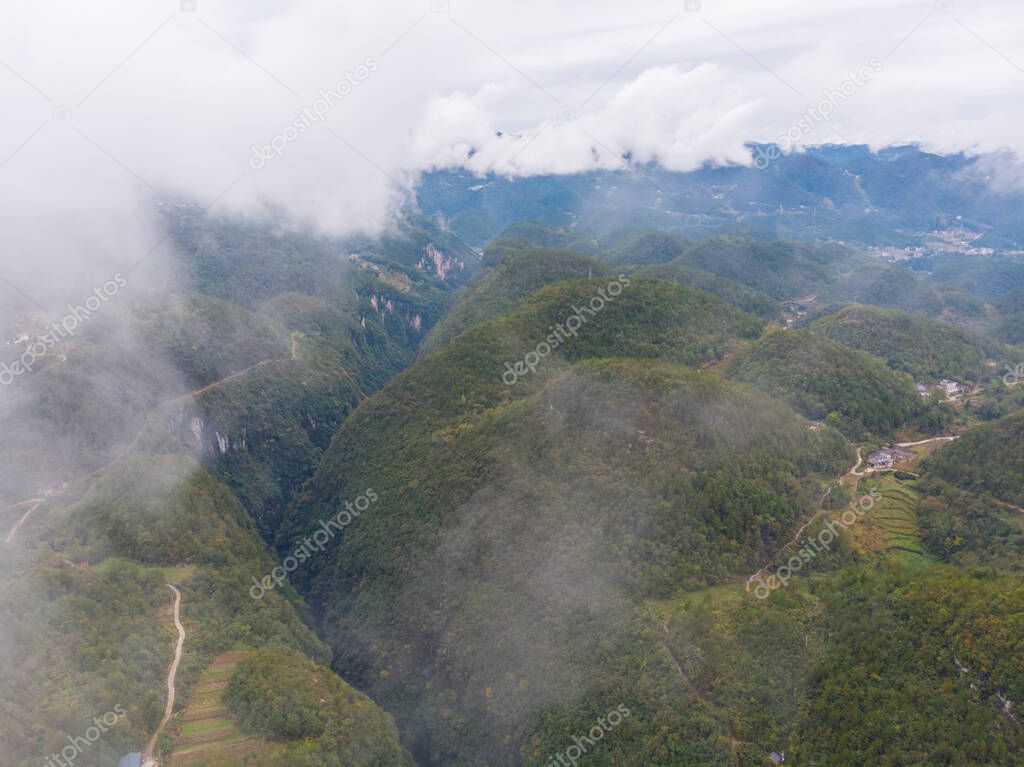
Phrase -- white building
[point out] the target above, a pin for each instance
(952, 388)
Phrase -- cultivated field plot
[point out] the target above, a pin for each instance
(895, 515)
(208, 735)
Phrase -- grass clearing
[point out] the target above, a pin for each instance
(172, 574)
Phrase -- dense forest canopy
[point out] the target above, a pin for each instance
(587, 449)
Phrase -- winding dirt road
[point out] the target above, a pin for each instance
(926, 441)
(148, 760)
(21, 520)
(852, 472)
(70, 484)
(1013, 506)
(215, 384)
(855, 475)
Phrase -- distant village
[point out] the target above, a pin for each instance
(952, 237)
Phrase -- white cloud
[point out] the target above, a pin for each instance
(173, 100)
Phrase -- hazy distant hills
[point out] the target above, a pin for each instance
(828, 192)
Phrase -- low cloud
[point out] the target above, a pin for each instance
(114, 107)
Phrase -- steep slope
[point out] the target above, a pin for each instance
(206, 338)
(926, 349)
(783, 270)
(83, 631)
(502, 571)
(735, 293)
(919, 670)
(159, 445)
(822, 377)
(278, 335)
(517, 275)
(284, 697)
(987, 459)
(249, 263)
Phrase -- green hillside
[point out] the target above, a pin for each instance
(206, 338)
(734, 293)
(783, 270)
(162, 444)
(517, 275)
(987, 459)
(88, 624)
(524, 236)
(646, 248)
(881, 284)
(282, 696)
(586, 455)
(926, 349)
(969, 529)
(821, 377)
(520, 527)
(888, 689)
(1010, 327)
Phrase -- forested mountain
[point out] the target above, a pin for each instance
(284, 696)
(524, 235)
(470, 547)
(798, 277)
(646, 248)
(987, 277)
(916, 671)
(515, 276)
(165, 439)
(926, 349)
(889, 286)
(987, 459)
(105, 566)
(588, 453)
(824, 380)
(737, 294)
(485, 384)
(783, 270)
(837, 192)
(1011, 325)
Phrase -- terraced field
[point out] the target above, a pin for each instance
(208, 735)
(895, 515)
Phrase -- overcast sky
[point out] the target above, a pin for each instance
(111, 104)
